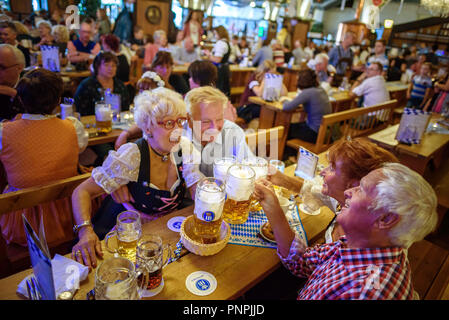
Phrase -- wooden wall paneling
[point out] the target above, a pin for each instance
(141, 10)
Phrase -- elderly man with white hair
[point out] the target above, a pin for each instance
(392, 208)
(322, 67)
(12, 62)
(160, 43)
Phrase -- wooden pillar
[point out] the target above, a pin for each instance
(300, 31)
(272, 30)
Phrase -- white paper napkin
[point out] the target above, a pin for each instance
(67, 274)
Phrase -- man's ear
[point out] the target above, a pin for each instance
(387, 220)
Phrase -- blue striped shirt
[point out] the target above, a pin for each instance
(420, 85)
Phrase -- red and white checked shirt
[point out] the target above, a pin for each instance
(337, 272)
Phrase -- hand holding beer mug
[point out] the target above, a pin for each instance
(209, 201)
(128, 231)
(221, 167)
(116, 279)
(239, 188)
(260, 166)
(103, 117)
(150, 261)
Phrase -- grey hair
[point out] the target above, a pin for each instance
(18, 55)
(157, 34)
(152, 106)
(321, 58)
(406, 193)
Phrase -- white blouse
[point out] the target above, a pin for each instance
(122, 166)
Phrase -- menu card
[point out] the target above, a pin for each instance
(272, 87)
(307, 164)
(412, 126)
(40, 260)
(50, 58)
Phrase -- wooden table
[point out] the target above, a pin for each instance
(237, 268)
(75, 74)
(94, 138)
(415, 156)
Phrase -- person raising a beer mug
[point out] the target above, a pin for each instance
(150, 175)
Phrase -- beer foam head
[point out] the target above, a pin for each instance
(221, 167)
(259, 165)
(103, 113)
(240, 182)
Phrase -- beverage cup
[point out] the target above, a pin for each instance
(260, 167)
(208, 211)
(128, 231)
(66, 111)
(103, 117)
(239, 182)
(116, 279)
(278, 164)
(150, 262)
(221, 166)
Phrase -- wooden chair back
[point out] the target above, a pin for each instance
(350, 123)
(265, 142)
(135, 71)
(30, 197)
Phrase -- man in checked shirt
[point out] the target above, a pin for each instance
(392, 208)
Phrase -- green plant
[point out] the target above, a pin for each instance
(88, 8)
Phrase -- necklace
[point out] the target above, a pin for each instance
(163, 156)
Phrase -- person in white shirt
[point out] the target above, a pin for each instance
(371, 86)
(210, 133)
(235, 50)
(379, 56)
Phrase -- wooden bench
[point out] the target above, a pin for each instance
(14, 258)
(429, 265)
(261, 141)
(349, 123)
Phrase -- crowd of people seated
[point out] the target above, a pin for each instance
(187, 121)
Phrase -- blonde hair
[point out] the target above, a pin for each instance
(45, 24)
(20, 27)
(406, 193)
(152, 106)
(263, 68)
(206, 95)
(60, 33)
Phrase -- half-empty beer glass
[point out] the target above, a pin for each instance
(128, 231)
(103, 117)
(207, 215)
(221, 166)
(150, 261)
(239, 188)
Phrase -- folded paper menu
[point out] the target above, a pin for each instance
(50, 58)
(307, 164)
(53, 276)
(412, 126)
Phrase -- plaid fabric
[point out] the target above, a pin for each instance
(337, 272)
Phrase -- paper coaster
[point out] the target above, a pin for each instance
(201, 283)
(153, 292)
(174, 224)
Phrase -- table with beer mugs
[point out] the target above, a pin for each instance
(160, 271)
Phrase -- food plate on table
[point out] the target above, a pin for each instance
(267, 233)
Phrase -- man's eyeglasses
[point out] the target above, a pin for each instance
(170, 124)
(3, 68)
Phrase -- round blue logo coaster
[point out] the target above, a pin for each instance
(202, 284)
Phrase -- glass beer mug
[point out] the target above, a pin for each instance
(103, 117)
(207, 214)
(221, 166)
(128, 231)
(239, 188)
(116, 279)
(150, 261)
(260, 166)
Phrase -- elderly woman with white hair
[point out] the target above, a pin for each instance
(150, 175)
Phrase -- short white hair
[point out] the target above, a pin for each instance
(158, 34)
(206, 95)
(45, 23)
(404, 192)
(18, 55)
(321, 58)
(152, 106)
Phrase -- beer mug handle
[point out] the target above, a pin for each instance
(167, 248)
(106, 239)
(142, 284)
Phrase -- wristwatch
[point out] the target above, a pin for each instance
(77, 227)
